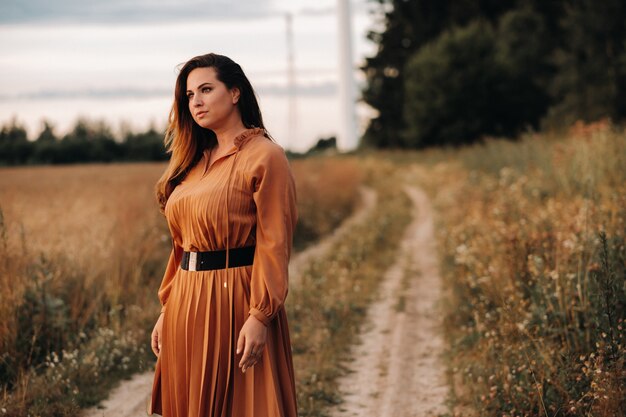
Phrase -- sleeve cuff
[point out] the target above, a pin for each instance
(260, 316)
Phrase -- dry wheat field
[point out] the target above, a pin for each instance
(82, 252)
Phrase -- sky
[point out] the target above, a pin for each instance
(116, 60)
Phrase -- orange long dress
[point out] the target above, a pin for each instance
(247, 197)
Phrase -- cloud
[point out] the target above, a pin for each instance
(144, 11)
(311, 89)
(111, 11)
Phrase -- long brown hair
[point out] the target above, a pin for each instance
(184, 139)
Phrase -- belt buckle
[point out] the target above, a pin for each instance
(193, 259)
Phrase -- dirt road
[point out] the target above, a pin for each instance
(396, 370)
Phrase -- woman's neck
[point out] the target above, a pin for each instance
(226, 136)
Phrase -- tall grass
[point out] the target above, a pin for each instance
(328, 183)
(82, 252)
(532, 238)
(81, 245)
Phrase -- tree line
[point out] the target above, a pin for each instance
(87, 141)
(94, 141)
(450, 72)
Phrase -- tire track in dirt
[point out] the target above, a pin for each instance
(396, 369)
(130, 398)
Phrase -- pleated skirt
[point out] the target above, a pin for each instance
(197, 372)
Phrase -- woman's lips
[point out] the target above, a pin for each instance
(200, 114)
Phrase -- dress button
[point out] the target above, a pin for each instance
(224, 284)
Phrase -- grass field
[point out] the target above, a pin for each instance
(531, 239)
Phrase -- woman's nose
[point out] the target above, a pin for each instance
(195, 100)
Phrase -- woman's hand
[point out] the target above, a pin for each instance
(157, 336)
(252, 338)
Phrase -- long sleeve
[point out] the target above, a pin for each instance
(172, 265)
(275, 199)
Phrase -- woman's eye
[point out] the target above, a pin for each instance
(189, 96)
(206, 89)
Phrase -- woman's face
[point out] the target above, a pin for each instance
(211, 103)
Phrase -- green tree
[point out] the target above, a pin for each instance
(89, 141)
(46, 145)
(479, 80)
(47, 133)
(591, 78)
(408, 25)
(523, 53)
(455, 89)
(14, 145)
(143, 146)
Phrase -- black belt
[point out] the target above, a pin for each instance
(204, 261)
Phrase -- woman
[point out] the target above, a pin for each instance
(222, 339)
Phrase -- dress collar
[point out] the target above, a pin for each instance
(243, 137)
(240, 140)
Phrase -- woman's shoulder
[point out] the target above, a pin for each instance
(262, 148)
(265, 157)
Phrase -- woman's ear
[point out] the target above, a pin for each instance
(235, 93)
